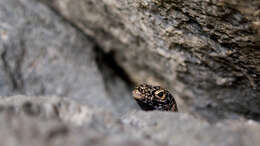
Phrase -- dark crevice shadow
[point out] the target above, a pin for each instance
(109, 67)
(116, 81)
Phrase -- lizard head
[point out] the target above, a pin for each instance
(154, 98)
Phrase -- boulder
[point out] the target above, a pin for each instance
(42, 54)
(206, 52)
(39, 121)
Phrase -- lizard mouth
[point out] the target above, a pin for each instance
(137, 94)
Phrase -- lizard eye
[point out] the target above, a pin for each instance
(160, 94)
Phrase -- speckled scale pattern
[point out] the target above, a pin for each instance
(149, 98)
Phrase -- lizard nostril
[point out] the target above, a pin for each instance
(137, 94)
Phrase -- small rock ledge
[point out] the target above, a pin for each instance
(39, 121)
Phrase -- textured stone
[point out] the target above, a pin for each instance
(62, 122)
(41, 54)
(172, 43)
(207, 52)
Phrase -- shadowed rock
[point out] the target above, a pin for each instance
(205, 51)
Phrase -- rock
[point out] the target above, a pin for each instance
(61, 121)
(41, 54)
(197, 48)
(206, 52)
(50, 107)
(182, 129)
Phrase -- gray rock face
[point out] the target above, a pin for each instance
(42, 55)
(56, 121)
(43, 121)
(205, 51)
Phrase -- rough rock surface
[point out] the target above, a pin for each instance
(43, 121)
(41, 54)
(207, 52)
(204, 50)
